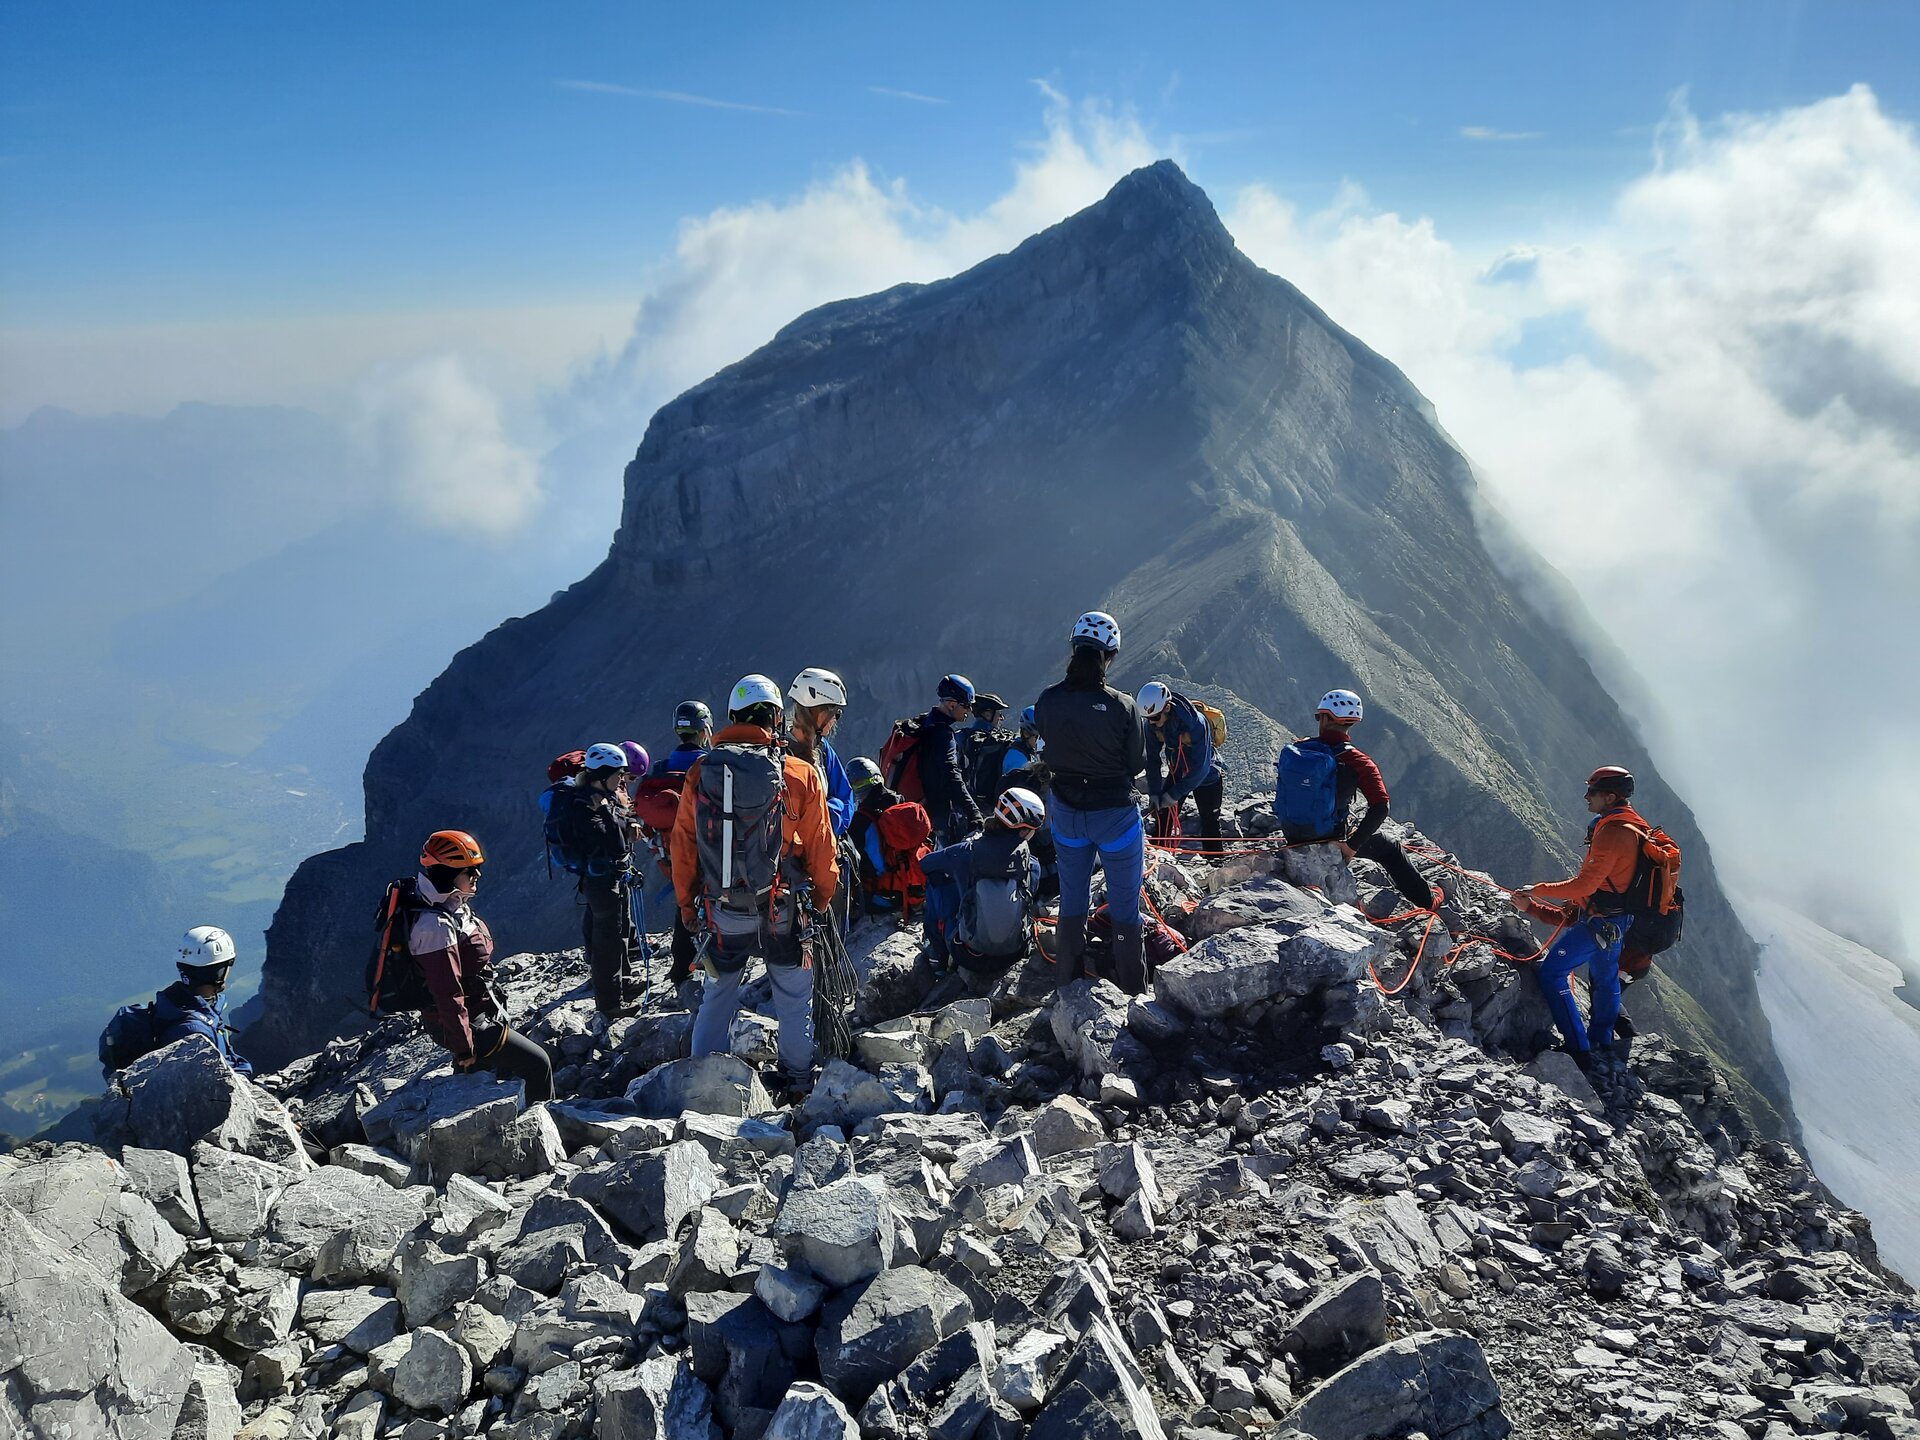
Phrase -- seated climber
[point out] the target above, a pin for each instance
(454, 952)
(981, 891)
(1590, 909)
(195, 1004)
(1313, 799)
(888, 837)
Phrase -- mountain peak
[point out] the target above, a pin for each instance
(1156, 200)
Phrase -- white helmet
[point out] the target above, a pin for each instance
(1099, 627)
(605, 756)
(752, 690)
(1021, 809)
(1341, 704)
(814, 686)
(206, 947)
(1152, 699)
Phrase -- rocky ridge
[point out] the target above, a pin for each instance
(1263, 1199)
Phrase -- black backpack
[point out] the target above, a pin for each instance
(128, 1036)
(394, 981)
(982, 755)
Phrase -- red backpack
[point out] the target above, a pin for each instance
(565, 766)
(906, 833)
(900, 759)
(656, 802)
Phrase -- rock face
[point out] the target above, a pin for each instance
(1326, 532)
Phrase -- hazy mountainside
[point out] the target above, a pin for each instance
(1122, 412)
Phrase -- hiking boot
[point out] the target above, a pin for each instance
(1129, 958)
(1582, 1058)
(1070, 948)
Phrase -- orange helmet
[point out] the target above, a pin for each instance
(455, 849)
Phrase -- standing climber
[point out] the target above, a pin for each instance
(1591, 909)
(817, 699)
(1096, 745)
(984, 748)
(454, 950)
(1179, 731)
(1313, 800)
(596, 843)
(982, 892)
(950, 805)
(692, 734)
(656, 802)
(753, 862)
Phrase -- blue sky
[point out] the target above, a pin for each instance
(216, 161)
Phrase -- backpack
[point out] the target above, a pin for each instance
(565, 767)
(1306, 794)
(555, 801)
(982, 753)
(905, 833)
(996, 915)
(900, 758)
(394, 981)
(656, 801)
(128, 1036)
(1216, 721)
(739, 802)
(1653, 897)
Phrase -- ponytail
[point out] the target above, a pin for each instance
(1087, 666)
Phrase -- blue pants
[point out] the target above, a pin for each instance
(1581, 943)
(1122, 845)
(792, 1006)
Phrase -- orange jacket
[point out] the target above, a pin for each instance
(806, 831)
(1613, 853)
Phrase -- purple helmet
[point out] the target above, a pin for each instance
(637, 758)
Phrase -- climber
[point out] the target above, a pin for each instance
(192, 1005)
(984, 748)
(816, 700)
(889, 836)
(638, 764)
(1024, 750)
(1096, 745)
(1313, 800)
(753, 863)
(982, 893)
(596, 840)
(454, 950)
(950, 805)
(657, 802)
(1589, 908)
(1179, 729)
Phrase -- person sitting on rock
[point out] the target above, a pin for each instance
(195, 1003)
(1023, 752)
(1589, 908)
(454, 950)
(889, 836)
(1180, 743)
(753, 860)
(982, 892)
(1312, 811)
(1096, 745)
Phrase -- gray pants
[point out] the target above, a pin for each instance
(792, 1004)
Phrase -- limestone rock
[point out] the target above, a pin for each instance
(1100, 1390)
(430, 1373)
(1436, 1382)
(845, 1096)
(1245, 967)
(162, 1179)
(211, 1410)
(870, 1333)
(1065, 1124)
(431, 1281)
(709, 1085)
(1341, 1324)
(236, 1191)
(496, 1139)
(841, 1233)
(185, 1093)
(811, 1412)
(74, 1198)
(658, 1399)
(326, 1201)
(360, 1318)
(651, 1194)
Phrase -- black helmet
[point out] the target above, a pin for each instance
(690, 717)
(957, 687)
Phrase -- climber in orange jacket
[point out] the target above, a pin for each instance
(1589, 907)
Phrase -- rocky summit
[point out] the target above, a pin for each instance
(1320, 1181)
(1123, 413)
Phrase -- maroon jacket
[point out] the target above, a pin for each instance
(454, 950)
(1358, 775)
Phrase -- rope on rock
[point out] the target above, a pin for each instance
(835, 983)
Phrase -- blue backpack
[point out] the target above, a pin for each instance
(1306, 795)
(128, 1036)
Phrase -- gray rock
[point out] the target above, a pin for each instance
(708, 1255)
(870, 1333)
(161, 1178)
(651, 1194)
(431, 1281)
(846, 1097)
(740, 1349)
(1025, 1369)
(1525, 1135)
(1064, 1125)
(1322, 868)
(1606, 1273)
(1125, 1171)
(734, 1140)
(1244, 967)
(709, 1084)
(811, 1412)
(995, 1162)
(1099, 1391)
(792, 1295)
(484, 1335)
(360, 1318)
(360, 1416)
(496, 1139)
(236, 1191)
(1136, 1219)
(1259, 901)
(1089, 1023)
(75, 1199)
(376, 1164)
(264, 1307)
(430, 1373)
(468, 1208)
(1436, 1382)
(185, 1093)
(211, 1410)
(79, 1359)
(332, 1199)
(842, 1233)
(898, 1044)
(1340, 1324)
(401, 1120)
(658, 1399)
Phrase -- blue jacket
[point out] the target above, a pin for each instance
(955, 864)
(678, 763)
(178, 1013)
(1184, 748)
(840, 801)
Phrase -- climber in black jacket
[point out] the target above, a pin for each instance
(950, 805)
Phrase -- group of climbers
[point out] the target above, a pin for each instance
(763, 837)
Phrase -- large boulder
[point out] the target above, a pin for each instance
(185, 1093)
(846, 1095)
(1340, 1324)
(745, 1353)
(359, 1318)
(162, 1179)
(75, 1198)
(1436, 1382)
(810, 1412)
(80, 1359)
(1259, 902)
(1089, 1023)
(1245, 967)
(401, 1119)
(871, 1333)
(322, 1204)
(658, 1399)
(651, 1194)
(706, 1085)
(496, 1139)
(1099, 1391)
(842, 1232)
(237, 1192)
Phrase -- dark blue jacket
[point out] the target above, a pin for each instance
(941, 778)
(1184, 748)
(178, 1013)
(678, 763)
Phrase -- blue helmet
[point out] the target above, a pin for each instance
(957, 687)
(1027, 721)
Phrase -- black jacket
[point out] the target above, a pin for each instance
(1096, 744)
(594, 829)
(941, 778)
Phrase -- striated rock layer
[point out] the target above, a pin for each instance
(1125, 412)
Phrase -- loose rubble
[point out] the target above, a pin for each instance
(1262, 1200)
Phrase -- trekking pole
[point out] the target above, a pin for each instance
(637, 913)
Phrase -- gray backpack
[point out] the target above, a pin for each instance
(996, 915)
(738, 806)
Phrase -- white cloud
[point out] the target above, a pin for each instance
(672, 97)
(1487, 132)
(1728, 469)
(913, 95)
(434, 432)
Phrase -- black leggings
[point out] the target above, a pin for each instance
(606, 927)
(1391, 858)
(523, 1060)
